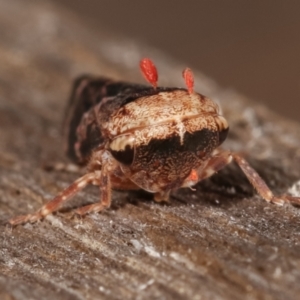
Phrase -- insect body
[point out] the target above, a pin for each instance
(139, 137)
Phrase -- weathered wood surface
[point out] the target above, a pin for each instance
(219, 242)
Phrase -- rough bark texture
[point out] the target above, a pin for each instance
(218, 242)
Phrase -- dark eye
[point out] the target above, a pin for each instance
(223, 135)
(122, 149)
(124, 156)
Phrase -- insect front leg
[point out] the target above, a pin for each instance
(214, 164)
(101, 164)
(223, 158)
(260, 186)
(105, 191)
(56, 203)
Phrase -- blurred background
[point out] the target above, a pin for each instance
(251, 46)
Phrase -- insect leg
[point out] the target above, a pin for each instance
(223, 158)
(259, 184)
(56, 203)
(162, 196)
(215, 163)
(105, 189)
(104, 182)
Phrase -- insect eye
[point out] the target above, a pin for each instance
(122, 149)
(223, 135)
(222, 128)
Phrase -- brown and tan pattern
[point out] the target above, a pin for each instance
(219, 241)
(156, 139)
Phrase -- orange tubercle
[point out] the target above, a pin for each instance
(193, 175)
(188, 76)
(149, 71)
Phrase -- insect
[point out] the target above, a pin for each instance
(153, 138)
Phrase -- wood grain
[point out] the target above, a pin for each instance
(219, 242)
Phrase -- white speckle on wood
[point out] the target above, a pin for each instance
(294, 190)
